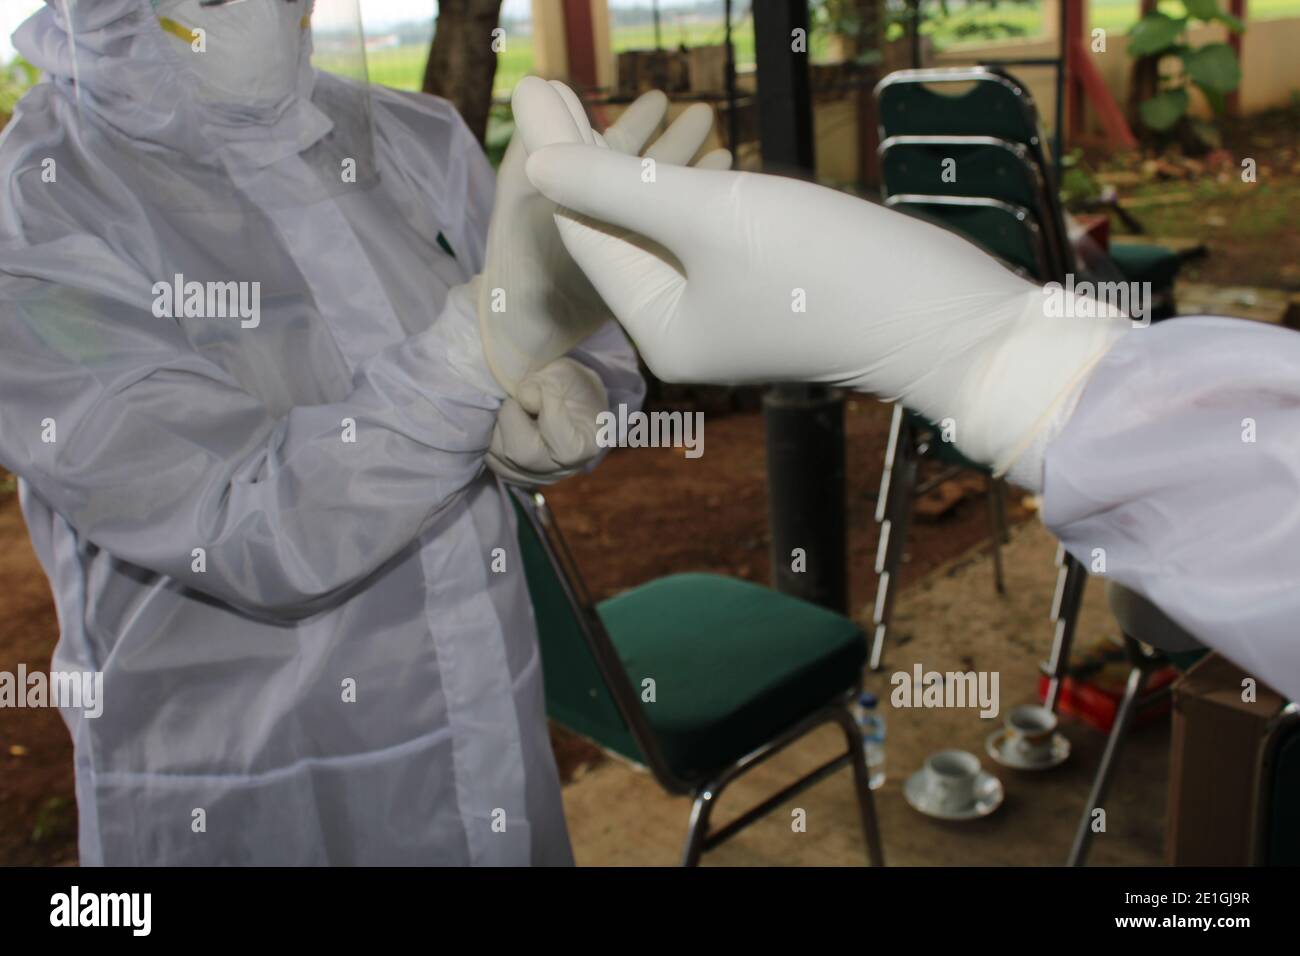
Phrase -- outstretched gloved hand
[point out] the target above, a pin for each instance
(730, 277)
(535, 304)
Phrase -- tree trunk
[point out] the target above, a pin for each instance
(462, 63)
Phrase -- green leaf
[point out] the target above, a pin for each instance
(1202, 9)
(1153, 34)
(1213, 67)
(1163, 110)
(1216, 99)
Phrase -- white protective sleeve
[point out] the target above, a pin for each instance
(1180, 466)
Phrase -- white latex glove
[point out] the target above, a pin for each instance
(549, 431)
(726, 277)
(535, 304)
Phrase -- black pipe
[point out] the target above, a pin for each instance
(1063, 53)
(804, 428)
(733, 127)
(803, 424)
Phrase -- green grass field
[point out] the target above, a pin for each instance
(403, 67)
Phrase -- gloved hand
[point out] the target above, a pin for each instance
(726, 277)
(535, 304)
(548, 431)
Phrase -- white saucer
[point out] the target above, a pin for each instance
(988, 797)
(995, 746)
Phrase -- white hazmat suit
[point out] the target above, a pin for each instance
(269, 526)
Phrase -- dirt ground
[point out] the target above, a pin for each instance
(1251, 229)
(37, 805)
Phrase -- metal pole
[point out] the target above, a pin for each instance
(915, 34)
(1062, 67)
(733, 127)
(804, 424)
(654, 7)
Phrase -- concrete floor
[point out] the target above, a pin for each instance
(951, 620)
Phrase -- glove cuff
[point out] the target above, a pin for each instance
(1012, 399)
(459, 338)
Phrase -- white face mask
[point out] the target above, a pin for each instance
(244, 52)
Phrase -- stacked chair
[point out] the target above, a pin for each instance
(1000, 193)
(697, 677)
(964, 148)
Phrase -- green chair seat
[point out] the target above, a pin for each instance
(734, 664)
(1145, 263)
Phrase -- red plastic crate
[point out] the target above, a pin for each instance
(1096, 704)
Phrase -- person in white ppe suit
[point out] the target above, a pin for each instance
(1169, 449)
(246, 384)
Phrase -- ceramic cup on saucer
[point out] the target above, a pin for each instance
(1030, 730)
(949, 779)
(953, 786)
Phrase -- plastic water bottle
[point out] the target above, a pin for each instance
(872, 725)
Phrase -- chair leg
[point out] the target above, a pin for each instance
(893, 512)
(1137, 679)
(1002, 510)
(862, 785)
(1070, 581)
(699, 826)
(997, 531)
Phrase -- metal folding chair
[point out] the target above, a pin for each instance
(1151, 641)
(589, 690)
(1009, 232)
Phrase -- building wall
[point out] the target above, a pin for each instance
(1270, 64)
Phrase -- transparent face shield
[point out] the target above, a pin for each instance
(260, 85)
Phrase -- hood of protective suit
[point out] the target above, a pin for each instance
(124, 70)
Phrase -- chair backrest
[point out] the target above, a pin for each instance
(961, 101)
(973, 166)
(976, 101)
(1002, 229)
(587, 687)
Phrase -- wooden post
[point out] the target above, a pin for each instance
(580, 42)
(1238, 9)
(1084, 84)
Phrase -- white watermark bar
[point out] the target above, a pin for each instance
(638, 429)
(208, 300)
(1091, 300)
(71, 690)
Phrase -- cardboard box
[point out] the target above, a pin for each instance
(1217, 747)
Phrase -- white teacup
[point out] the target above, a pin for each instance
(1030, 730)
(950, 777)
